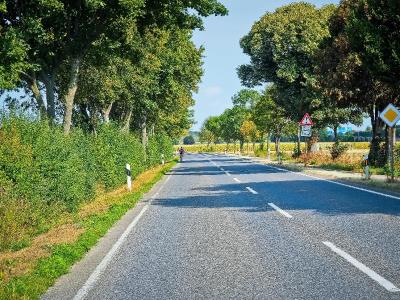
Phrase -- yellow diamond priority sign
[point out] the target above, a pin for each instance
(390, 115)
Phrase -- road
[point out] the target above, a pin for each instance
(218, 227)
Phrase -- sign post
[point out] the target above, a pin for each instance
(391, 115)
(306, 127)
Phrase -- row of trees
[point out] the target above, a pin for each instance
(254, 117)
(83, 63)
(336, 63)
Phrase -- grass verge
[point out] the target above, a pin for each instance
(88, 224)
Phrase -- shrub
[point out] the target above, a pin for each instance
(296, 153)
(338, 149)
(188, 140)
(159, 146)
(43, 172)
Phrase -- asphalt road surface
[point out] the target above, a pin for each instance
(218, 227)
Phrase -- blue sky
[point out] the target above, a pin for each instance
(223, 53)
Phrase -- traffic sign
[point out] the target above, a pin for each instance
(390, 115)
(306, 130)
(306, 121)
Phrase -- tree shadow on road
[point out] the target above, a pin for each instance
(318, 196)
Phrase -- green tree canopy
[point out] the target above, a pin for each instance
(281, 46)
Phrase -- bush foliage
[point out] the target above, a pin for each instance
(44, 172)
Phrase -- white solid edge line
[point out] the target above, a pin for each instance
(281, 211)
(84, 290)
(338, 183)
(91, 281)
(237, 180)
(363, 268)
(251, 190)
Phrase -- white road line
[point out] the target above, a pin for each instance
(237, 180)
(91, 281)
(338, 183)
(251, 190)
(227, 173)
(222, 169)
(89, 284)
(363, 268)
(213, 163)
(281, 211)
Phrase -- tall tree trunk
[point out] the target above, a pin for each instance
(278, 147)
(127, 122)
(335, 133)
(70, 95)
(144, 132)
(269, 146)
(106, 113)
(313, 142)
(375, 153)
(48, 80)
(38, 97)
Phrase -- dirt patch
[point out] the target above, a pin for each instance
(21, 262)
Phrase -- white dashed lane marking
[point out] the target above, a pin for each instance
(251, 190)
(281, 211)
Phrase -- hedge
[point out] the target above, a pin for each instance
(44, 173)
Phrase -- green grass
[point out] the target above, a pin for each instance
(64, 256)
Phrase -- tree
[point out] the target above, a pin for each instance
(12, 59)
(246, 98)
(273, 119)
(188, 140)
(233, 120)
(249, 133)
(372, 29)
(213, 125)
(348, 82)
(59, 34)
(281, 46)
(206, 136)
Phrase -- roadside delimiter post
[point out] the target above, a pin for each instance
(366, 167)
(129, 178)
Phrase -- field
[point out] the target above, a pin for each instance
(356, 147)
(351, 160)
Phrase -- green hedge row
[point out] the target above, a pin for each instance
(43, 172)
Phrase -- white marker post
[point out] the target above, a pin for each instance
(162, 159)
(129, 178)
(366, 167)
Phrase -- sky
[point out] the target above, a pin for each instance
(223, 53)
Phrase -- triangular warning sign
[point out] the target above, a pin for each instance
(306, 120)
